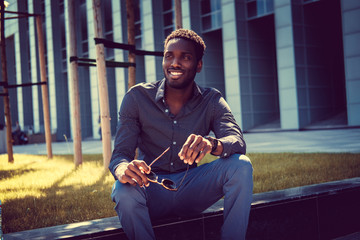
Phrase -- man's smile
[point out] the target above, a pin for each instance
(175, 73)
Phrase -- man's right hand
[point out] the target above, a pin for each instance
(133, 173)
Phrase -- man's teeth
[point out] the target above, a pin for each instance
(176, 73)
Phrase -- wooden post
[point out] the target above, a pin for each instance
(103, 87)
(178, 14)
(5, 80)
(74, 79)
(44, 87)
(130, 15)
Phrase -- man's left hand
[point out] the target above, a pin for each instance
(194, 149)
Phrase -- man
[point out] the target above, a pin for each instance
(176, 112)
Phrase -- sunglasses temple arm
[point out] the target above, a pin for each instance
(182, 180)
(159, 156)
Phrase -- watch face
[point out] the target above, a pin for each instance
(213, 143)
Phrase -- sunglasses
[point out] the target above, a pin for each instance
(166, 183)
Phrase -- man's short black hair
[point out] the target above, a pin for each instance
(190, 36)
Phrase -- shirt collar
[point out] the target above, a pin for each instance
(160, 93)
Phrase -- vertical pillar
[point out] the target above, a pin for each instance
(289, 116)
(231, 59)
(118, 53)
(351, 38)
(44, 87)
(130, 15)
(53, 67)
(74, 80)
(34, 67)
(94, 88)
(103, 87)
(149, 40)
(185, 12)
(5, 80)
(178, 14)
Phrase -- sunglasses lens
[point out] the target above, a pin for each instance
(152, 176)
(169, 184)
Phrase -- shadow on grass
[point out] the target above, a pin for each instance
(59, 204)
(4, 174)
(86, 157)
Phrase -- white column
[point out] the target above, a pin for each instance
(231, 59)
(289, 115)
(17, 64)
(34, 67)
(148, 38)
(185, 7)
(50, 65)
(18, 80)
(94, 91)
(118, 53)
(71, 92)
(351, 38)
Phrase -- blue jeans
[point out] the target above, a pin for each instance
(203, 186)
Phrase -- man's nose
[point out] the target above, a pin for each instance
(176, 62)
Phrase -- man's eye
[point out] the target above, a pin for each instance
(187, 57)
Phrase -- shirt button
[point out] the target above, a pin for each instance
(166, 110)
(225, 154)
(175, 122)
(174, 143)
(171, 163)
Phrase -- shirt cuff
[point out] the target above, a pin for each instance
(231, 146)
(226, 148)
(114, 164)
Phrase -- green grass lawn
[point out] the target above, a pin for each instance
(37, 192)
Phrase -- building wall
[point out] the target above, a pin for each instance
(281, 64)
(258, 69)
(351, 37)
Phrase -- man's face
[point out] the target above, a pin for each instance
(180, 64)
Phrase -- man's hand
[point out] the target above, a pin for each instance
(194, 149)
(133, 173)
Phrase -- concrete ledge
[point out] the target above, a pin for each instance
(322, 211)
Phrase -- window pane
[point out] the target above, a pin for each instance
(218, 17)
(167, 5)
(205, 6)
(85, 47)
(216, 5)
(206, 23)
(168, 19)
(270, 6)
(167, 31)
(260, 7)
(137, 10)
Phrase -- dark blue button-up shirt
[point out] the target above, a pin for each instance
(145, 122)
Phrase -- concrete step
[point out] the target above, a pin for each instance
(321, 211)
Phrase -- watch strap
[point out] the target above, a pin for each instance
(214, 143)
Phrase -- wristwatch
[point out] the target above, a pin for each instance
(214, 143)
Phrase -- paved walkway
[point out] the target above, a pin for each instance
(335, 140)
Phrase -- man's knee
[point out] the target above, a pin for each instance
(241, 162)
(127, 197)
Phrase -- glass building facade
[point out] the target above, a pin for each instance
(280, 64)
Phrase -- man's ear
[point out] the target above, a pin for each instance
(199, 66)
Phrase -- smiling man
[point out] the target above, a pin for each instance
(177, 115)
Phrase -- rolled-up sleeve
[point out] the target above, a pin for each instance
(127, 133)
(226, 129)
